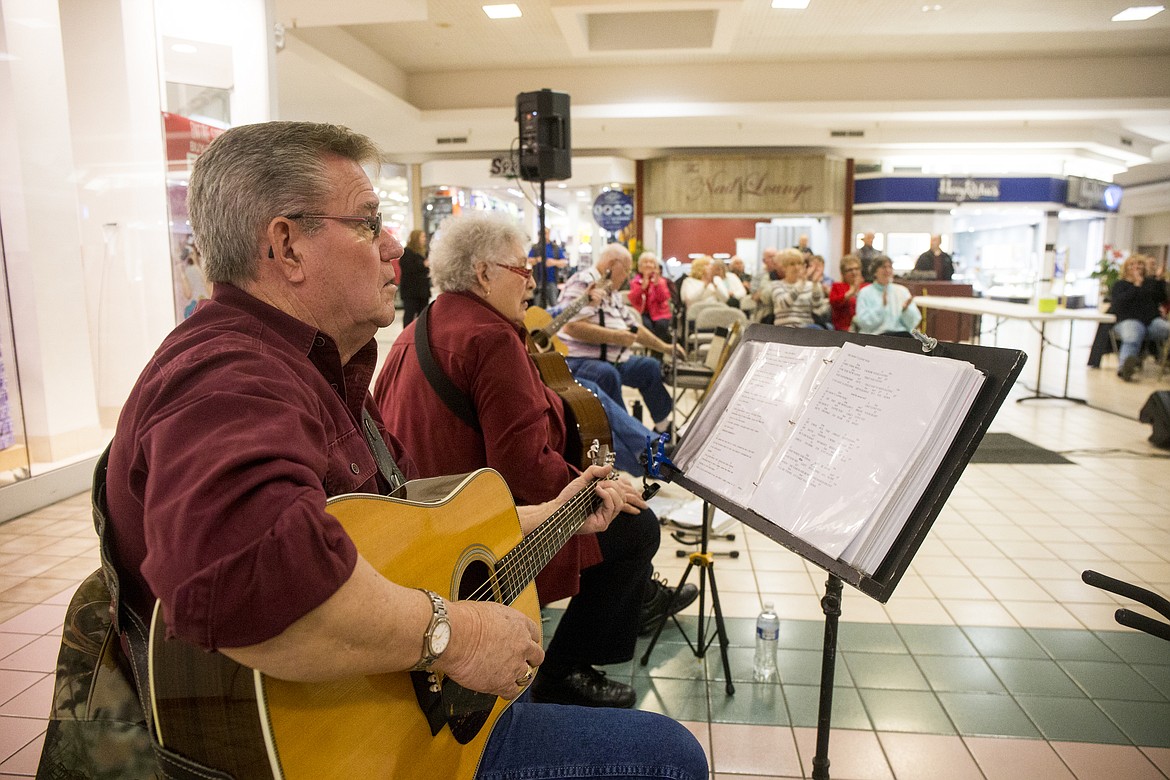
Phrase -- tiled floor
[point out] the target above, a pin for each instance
(992, 660)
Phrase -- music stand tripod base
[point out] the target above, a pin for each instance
(705, 560)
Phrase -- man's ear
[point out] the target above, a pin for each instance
(282, 237)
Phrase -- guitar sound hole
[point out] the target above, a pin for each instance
(474, 583)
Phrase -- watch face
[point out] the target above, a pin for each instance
(440, 637)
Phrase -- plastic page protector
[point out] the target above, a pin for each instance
(757, 419)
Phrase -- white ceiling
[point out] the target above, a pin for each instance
(1054, 83)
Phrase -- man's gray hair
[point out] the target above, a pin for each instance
(254, 173)
(615, 252)
(470, 238)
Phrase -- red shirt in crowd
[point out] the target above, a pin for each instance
(652, 300)
(843, 308)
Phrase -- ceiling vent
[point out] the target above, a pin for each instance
(847, 134)
(454, 139)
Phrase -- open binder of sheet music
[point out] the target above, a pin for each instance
(836, 445)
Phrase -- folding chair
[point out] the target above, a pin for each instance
(699, 376)
(710, 318)
(692, 313)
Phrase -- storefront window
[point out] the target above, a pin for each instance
(14, 463)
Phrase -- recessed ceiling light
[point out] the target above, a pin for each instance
(502, 11)
(928, 8)
(792, 5)
(1138, 13)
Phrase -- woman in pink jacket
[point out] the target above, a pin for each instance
(650, 295)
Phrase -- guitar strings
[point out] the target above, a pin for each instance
(539, 538)
(551, 526)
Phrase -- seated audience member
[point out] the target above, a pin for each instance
(704, 284)
(936, 260)
(843, 294)
(802, 245)
(736, 292)
(650, 296)
(250, 416)
(1137, 303)
(475, 334)
(601, 336)
(794, 298)
(885, 307)
(762, 286)
(736, 266)
(815, 267)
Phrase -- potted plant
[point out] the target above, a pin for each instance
(1108, 270)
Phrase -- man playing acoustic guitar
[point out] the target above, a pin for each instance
(251, 414)
(517, 426)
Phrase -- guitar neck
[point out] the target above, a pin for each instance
(567, 313)
(519, 567)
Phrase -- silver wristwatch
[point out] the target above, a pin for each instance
(437, 636)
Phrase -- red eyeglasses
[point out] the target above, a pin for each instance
(520, 270)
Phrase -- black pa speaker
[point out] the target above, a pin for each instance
(1157, 413)
(545, 151)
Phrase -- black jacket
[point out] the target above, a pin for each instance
(416, 279)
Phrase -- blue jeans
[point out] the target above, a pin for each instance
(629, 435)
(546, 741)
(639, 372)
(1133, 334)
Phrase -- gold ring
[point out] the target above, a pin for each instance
(527, 678)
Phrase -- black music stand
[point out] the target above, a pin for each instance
(1000, 367)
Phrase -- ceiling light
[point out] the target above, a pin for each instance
(792, 5)
(502, 11)
(928, 8)
(1138, 13)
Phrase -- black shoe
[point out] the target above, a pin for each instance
(1129, 368)
(659, 597)
(584, 686)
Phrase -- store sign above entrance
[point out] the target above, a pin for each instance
(901, 190)
(743, 185)
(613, 210)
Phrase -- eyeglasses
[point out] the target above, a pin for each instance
(374, 223)
(520, 270)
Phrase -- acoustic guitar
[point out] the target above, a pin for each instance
(542, 327)
(458, 536)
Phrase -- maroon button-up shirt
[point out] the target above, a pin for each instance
(239, 428)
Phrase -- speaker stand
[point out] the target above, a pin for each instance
(546, 299)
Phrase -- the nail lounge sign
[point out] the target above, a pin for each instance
(744, 185)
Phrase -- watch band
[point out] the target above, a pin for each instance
(438, 615)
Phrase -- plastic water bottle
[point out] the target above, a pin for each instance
(767, 638)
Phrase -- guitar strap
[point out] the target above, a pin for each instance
(456, 400)
(386, 465)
